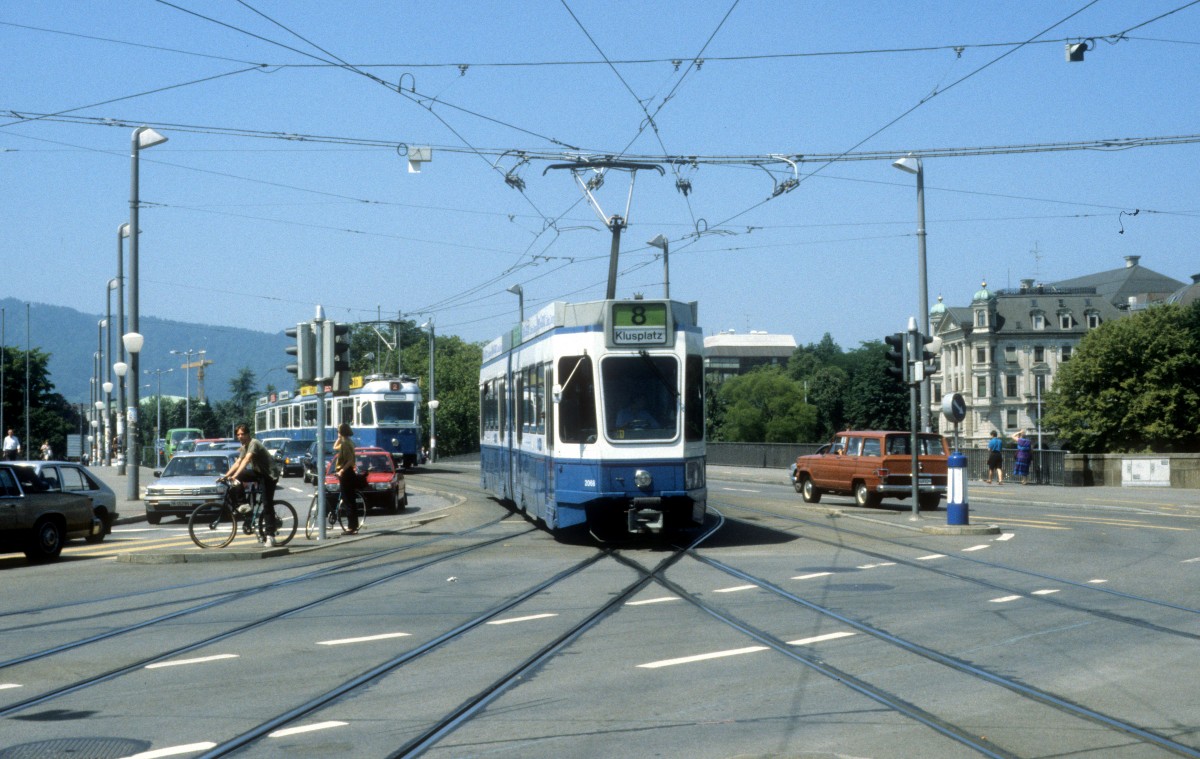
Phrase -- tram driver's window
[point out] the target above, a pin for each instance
(577, 408)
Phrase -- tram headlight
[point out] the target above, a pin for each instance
(694, 474)
(642, 479)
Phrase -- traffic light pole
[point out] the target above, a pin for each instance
(318, 332)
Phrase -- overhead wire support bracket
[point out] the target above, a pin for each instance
(617, 222)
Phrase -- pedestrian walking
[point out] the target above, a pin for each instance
(12, 446)
(995, 460)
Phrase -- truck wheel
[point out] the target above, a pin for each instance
(864, 497)
(929, 502)
(154, 518)
(811, 493)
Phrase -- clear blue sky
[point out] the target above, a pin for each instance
(249, 231)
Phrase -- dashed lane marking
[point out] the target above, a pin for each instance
(306, 728)
(200, 660)
(529, 618)
(363, 639)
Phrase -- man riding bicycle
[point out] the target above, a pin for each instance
(253, 464)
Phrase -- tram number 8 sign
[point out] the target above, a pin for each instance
(639, 323)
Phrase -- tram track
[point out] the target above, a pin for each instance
(239, 629)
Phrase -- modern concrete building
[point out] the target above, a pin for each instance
(1003, 350)
(729, 354)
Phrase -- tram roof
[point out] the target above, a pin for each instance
(560, 314)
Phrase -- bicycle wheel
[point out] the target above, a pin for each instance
(311, 528)
(360, 507)
(212, 525)
(285, 522)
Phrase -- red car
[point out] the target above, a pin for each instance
(384, 488)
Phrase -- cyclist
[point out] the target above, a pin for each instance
(253, 464)
(347, 476)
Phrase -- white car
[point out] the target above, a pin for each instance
(189, 480)
(69, 477)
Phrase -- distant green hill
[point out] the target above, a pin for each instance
(70, 337)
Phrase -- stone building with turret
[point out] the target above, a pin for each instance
(1002, 352)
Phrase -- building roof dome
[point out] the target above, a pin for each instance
(938, 308)
(983, 294)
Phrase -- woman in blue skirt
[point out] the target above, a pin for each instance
(1024, 456)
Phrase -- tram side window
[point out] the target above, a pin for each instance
(308, 414)
(366, 414)
(260, 421)
(522, 412)
(693, 398)
(548, 407)
(539, 398)
(577, 409)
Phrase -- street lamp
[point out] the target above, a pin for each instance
(113, 284)
(519, 291)
(100, 407)
(912, 165)
(143, 137)
(187, 384)
(661, 243)
(122, 233)
(158, 423)
(433, 403)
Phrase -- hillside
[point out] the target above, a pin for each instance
(70, 337)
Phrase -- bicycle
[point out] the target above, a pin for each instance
(215, 524)
(335, 514)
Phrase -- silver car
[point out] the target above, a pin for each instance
(69, 477)
(189, 480)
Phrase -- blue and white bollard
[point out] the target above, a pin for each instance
(956, 489)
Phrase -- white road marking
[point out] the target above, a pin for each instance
(880, 564)
(520, 619)
(819, 638)
(363, 639)
(6, 686)
(976, 548)
(306, 728)
(931, 557)
(812, 575)
(702, 657)
(1043, 592)
(1005, 599)
(1097, 582)
(1189, 561)
(652, 601)
(741, 490)
(1005, 536)
(200, 660)
(735, 589)
(189, 748)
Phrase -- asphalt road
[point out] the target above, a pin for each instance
(791, 630)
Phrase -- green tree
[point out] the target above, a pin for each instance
(765, 406)
(50, 418)
(1132, 385)
(874, 399)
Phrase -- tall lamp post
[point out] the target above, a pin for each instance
(143, 137)
(187, 385)
(912, 165)
(158, 451)
(100, 362)
(518, 291)
(660, 242)
(122, 233)
(113, 284)
(433, 403)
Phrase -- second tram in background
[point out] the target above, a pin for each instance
(382, 411)
(593, 414)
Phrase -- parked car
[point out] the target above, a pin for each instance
(37, 520)
(216, 444)
(273, 444)
(309, 459)
(384, 487)
(872, 465)
(291, 456)
(70, 477)
(188, 480)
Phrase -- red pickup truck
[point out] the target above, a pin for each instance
(872, 465)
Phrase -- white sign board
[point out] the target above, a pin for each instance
(1146, 472)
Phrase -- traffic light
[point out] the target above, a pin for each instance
(924, 360)
(898, 355)
(931, 348)
(304, 350)
(335, 356)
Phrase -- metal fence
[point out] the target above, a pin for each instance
(1047, 467)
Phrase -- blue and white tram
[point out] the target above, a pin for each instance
(593, 414)
(383, 412)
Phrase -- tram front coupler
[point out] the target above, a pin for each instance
(645, 515)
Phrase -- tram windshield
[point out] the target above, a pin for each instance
(395, 412)
(641, 397)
